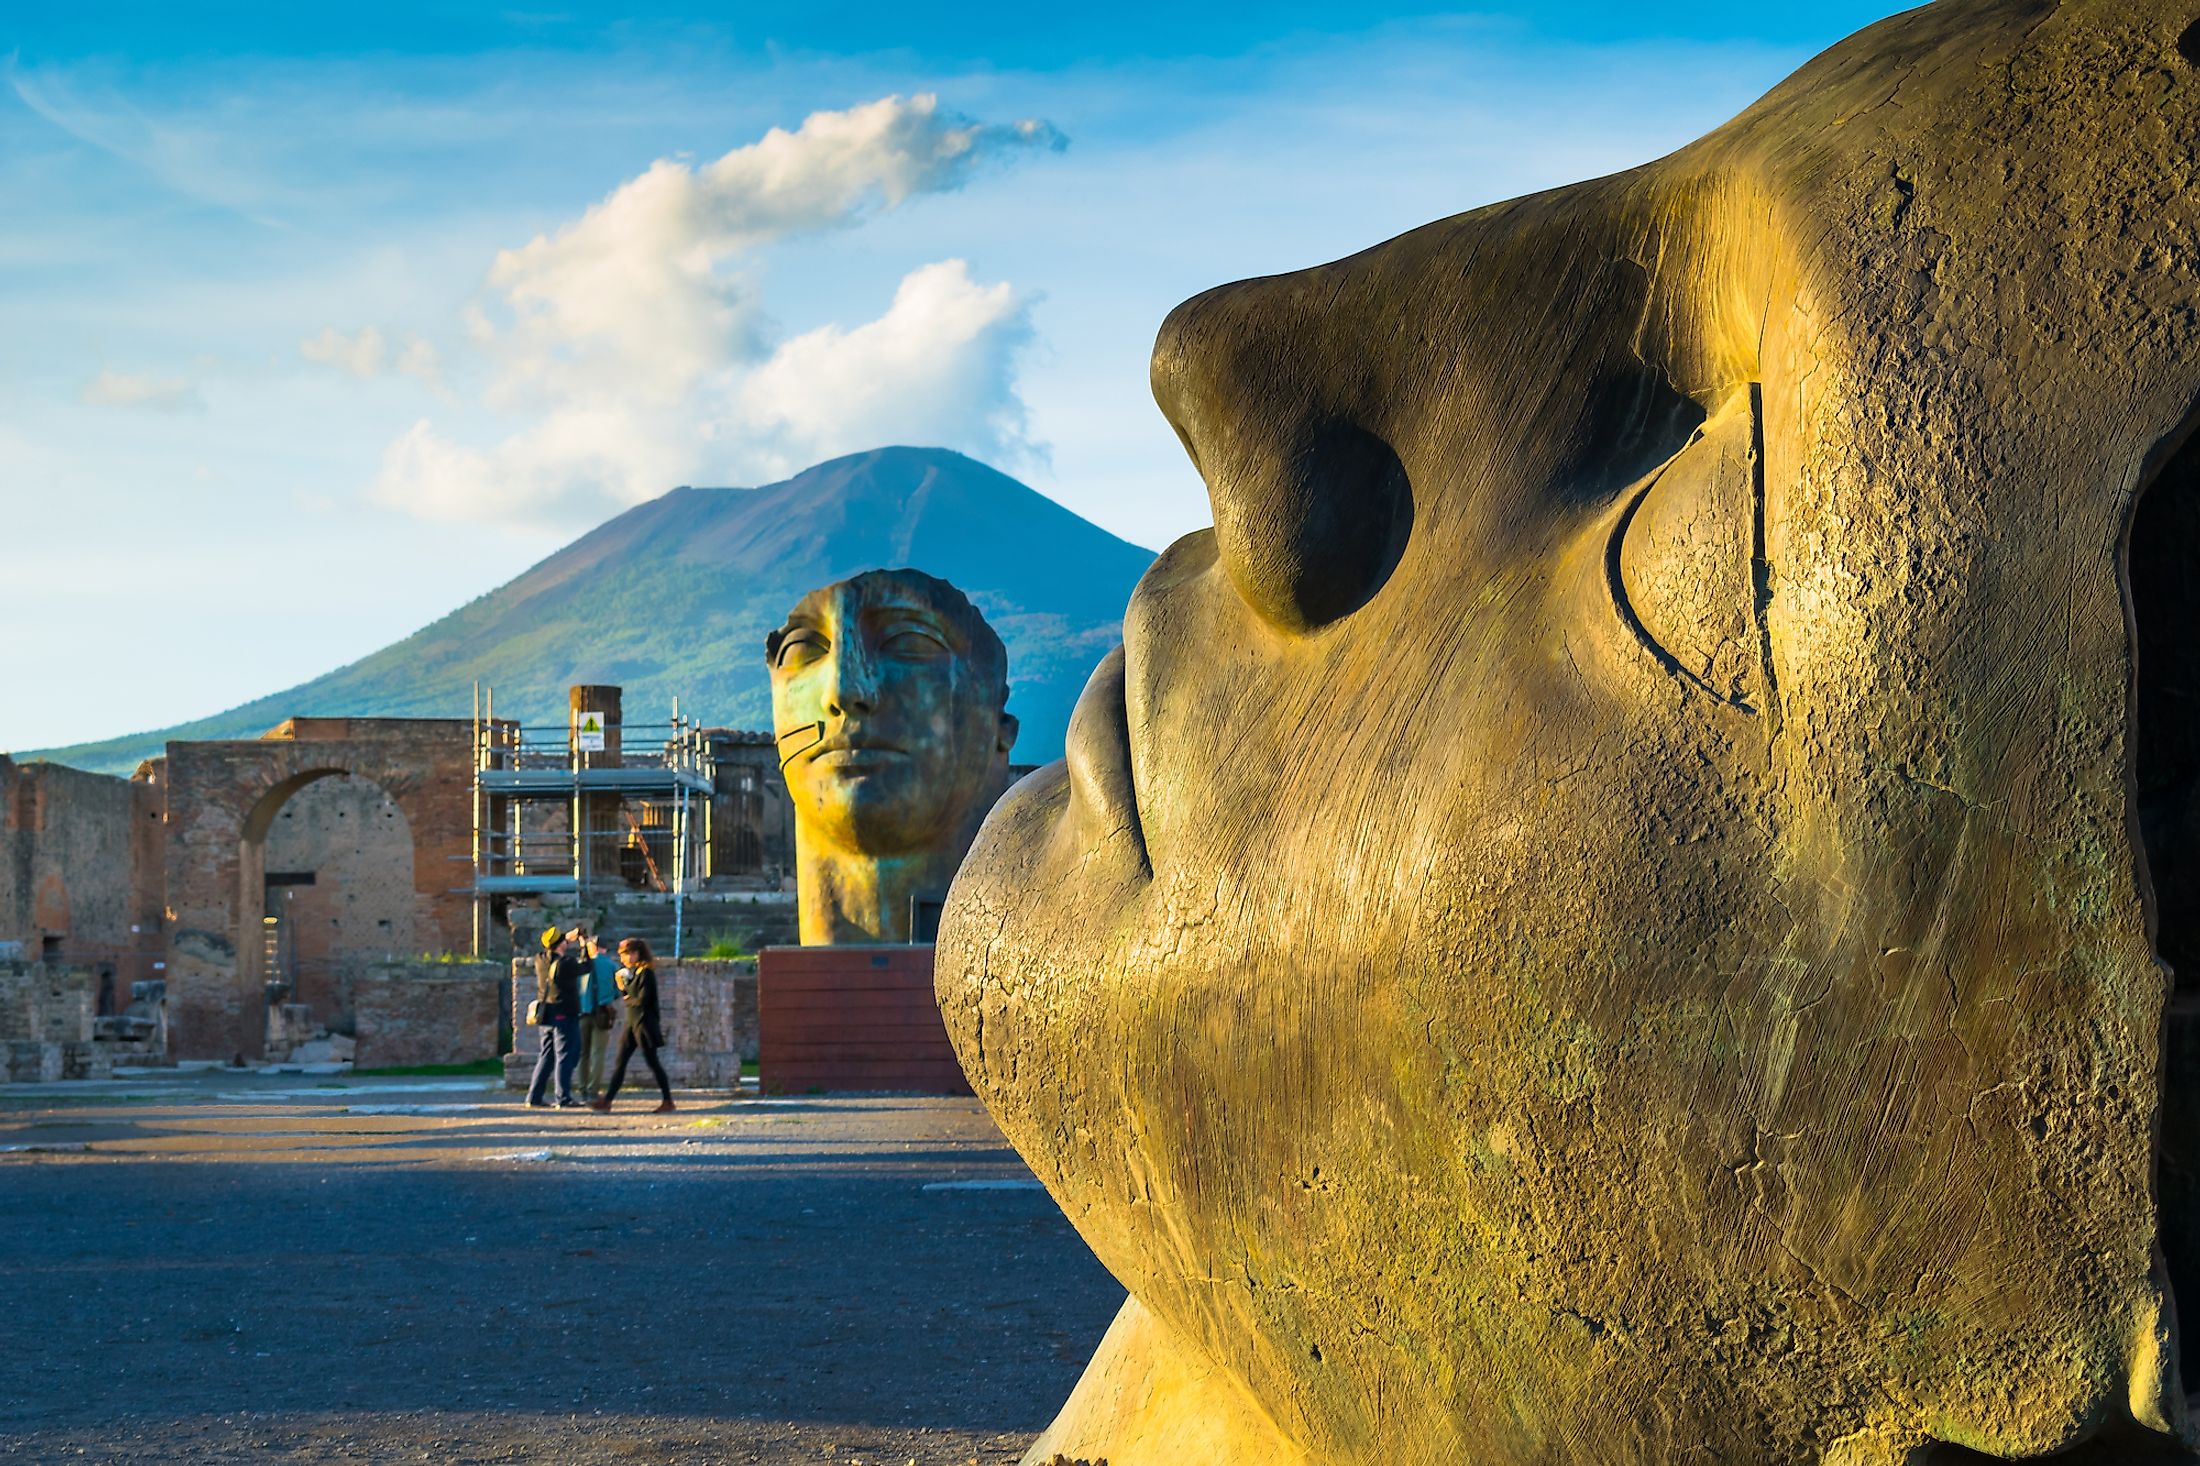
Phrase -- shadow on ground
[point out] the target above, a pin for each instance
(821, 1291)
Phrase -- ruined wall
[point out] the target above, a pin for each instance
(46, 1024)
(340, 881)
(750, 832)
(148, 880)
(709, 1014)
(74, 884)
(411, 1013)
(224, 799)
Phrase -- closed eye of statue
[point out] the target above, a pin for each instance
(1686, 565)
(800, 647)
(910, 643)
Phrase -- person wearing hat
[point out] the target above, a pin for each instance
(557, 991)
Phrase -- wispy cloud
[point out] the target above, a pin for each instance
(370, 353)
(200, 163)
(148, 394)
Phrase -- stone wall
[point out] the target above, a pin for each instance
(74, 884)
(753, 919)
(46, 1024)
(339, 872)
(709, 1015)
(223, 798)
(749, 827)
(414, 1013)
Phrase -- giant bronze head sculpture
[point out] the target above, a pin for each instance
(889, 694)
(1613, 909)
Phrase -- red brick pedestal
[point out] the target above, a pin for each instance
(852, 1019)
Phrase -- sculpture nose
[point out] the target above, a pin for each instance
(1264, 383)
(853, 687)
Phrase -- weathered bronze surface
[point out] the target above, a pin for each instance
(1607, 911)
(888, 694)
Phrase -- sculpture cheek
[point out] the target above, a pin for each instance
(1311, 530)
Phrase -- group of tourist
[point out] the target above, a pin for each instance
(579, 988)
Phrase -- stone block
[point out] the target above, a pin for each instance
(419, 1013)
(33, 1062)
(708, 1009)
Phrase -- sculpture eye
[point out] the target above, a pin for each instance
(800, 647)
(912, 644)
(1687, 568)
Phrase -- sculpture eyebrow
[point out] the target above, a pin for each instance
(797, 621)
(895, 610)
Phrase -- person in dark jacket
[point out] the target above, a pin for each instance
(644, 1031)
(557, 987)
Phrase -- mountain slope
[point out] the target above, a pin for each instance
(674, 597)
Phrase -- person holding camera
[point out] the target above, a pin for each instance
(556, 1011)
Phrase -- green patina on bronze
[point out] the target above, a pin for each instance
(889, 696)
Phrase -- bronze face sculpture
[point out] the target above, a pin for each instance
(888, 693)
(1607, 911)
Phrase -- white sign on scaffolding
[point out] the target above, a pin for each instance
(588, 735)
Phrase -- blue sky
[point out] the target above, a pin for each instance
(316, 322)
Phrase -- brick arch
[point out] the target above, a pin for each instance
(222, 799)
(261, 817)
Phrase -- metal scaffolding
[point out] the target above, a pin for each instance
(588, 815)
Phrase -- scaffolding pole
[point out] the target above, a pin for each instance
(480, 935)
(518, 768)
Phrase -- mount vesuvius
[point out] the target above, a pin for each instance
(674, 597)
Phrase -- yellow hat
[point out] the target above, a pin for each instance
(550, 937)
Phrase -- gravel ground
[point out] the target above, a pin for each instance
(249, 1268)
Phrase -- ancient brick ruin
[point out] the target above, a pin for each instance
(81, 861)
(297, 893)
(224, 798)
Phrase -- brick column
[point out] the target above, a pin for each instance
(597, 814)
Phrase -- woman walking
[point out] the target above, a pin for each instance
(638, 985)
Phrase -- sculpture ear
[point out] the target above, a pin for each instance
(1009, 727)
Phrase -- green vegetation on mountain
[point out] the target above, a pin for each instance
(674, 597)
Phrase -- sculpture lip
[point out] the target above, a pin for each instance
(846, 750)
(1099, 756)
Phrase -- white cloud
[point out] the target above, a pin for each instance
(633, 338)
(368, 353)
(637, 287)
(939, 368)
(149, 394)
(571, 465)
